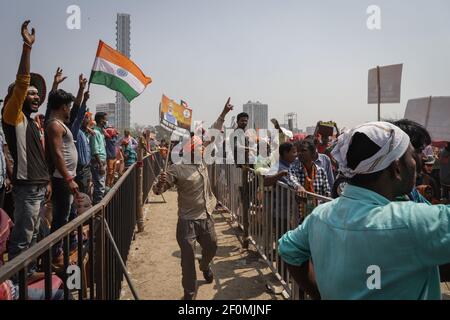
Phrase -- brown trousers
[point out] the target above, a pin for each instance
(187, 232)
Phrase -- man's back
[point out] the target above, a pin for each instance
(362, 237)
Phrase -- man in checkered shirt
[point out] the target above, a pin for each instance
(304, 174)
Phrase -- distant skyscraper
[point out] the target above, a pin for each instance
(258, 115)
(110, 109)
(123, 32)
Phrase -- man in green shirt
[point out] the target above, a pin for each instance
(366, 245)
(98, 154)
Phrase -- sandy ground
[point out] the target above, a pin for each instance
(154, 261)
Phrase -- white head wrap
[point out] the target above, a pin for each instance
(391, 139)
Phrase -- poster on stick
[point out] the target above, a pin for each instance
(175, 117)
(433, 113)
(390, 84)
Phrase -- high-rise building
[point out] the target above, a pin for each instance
(110, 109)
(258, 114)
(123, 39)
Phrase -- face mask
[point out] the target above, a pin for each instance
(105, 125)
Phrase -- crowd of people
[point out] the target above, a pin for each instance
(51, 164)
(389, 181)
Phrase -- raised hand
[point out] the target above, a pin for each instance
(28, 37)
(58, 78)
(228, 106)
(82, 81)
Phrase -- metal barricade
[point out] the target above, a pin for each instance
(100, 272)
(271, 212)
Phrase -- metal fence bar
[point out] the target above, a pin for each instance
(101, 272)
(263, 213)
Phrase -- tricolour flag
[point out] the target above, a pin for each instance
(115, 71)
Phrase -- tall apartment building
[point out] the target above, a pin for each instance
(123, 45)
(258, 115)
(110, 109)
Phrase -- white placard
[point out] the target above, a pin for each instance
(390, 83)
(434, 116)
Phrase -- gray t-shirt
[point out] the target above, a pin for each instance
(69, 152)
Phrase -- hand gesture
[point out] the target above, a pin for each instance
(82, 81)
(27, 37)
(228, 106)
(58, 78)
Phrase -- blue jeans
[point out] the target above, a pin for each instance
(27, 201)
(62, 199)
(99, 183)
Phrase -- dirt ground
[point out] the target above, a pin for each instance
(154, 261)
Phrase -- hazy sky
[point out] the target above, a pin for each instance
(309, 57)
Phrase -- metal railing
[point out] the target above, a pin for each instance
(263, 213)
(100, 269)
(152, 167)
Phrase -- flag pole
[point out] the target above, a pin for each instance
(93, 64)
(168, 153)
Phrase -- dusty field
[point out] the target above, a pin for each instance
(154, 262)
(155, 270)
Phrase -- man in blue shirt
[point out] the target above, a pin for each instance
(279, 172)
(365, 245)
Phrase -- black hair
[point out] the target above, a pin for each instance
(99, 116)
(242, 115)
(285, 148)
(360, 149)
(58, 98)
(419, 136)
(308, 143)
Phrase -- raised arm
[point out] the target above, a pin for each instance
(76, 125)
(82, 82)
(13, 108)
(58, 78)
(218, 124)
(77, 103)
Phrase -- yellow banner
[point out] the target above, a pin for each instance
(174, 116)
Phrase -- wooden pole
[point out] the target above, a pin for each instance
(379, 93)
(168, 153)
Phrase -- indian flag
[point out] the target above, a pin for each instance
(115, 71)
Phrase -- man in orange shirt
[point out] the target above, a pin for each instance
(31, 174)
